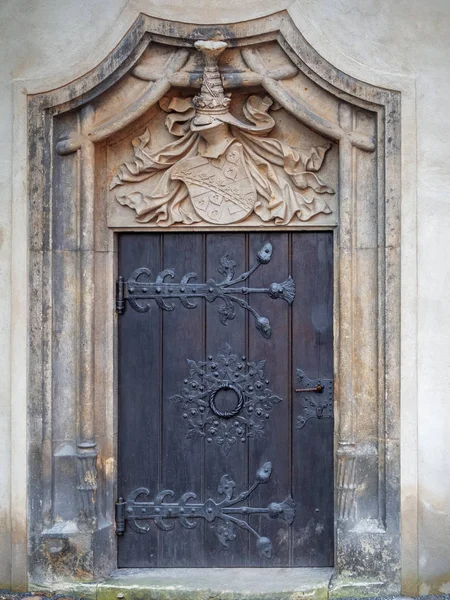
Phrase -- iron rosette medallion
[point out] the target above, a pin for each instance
(243, 378)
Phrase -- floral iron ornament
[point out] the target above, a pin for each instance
(139, 288)
(187, 513)
(221, 169)
(242, 379)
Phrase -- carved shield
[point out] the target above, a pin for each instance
(221, 189)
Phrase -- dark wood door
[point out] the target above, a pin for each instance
(221, 462)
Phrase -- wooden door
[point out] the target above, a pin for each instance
(221, 462)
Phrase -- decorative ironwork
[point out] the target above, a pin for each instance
(317, 398)
(226, 371)
(139, 287)
(187, 513)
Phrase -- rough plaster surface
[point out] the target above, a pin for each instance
(404, 46)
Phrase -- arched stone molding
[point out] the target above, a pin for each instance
(72, 268)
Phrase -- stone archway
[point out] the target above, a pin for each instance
(77, 135)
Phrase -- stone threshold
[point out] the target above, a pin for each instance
(217, 584)
(206, 584)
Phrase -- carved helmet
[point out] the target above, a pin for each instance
(212, 104)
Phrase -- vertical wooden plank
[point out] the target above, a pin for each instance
(274, 446)
(181, 454)
(139, 398)
(312, 334)
(217, 462)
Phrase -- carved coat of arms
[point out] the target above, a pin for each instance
(221, 169)
(221, 189)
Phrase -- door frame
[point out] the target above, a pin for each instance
(71, 377)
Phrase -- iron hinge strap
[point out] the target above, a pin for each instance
(140, 290)
(138, 514)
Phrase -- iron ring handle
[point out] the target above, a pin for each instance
(229, 413)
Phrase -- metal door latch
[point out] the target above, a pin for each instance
(318, 389)
(314, 407)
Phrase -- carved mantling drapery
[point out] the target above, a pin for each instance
(221, 169)
(187, 127)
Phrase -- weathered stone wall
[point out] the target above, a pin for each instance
(403, 46)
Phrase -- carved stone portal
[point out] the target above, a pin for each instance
(252, 129)
(220, 169)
